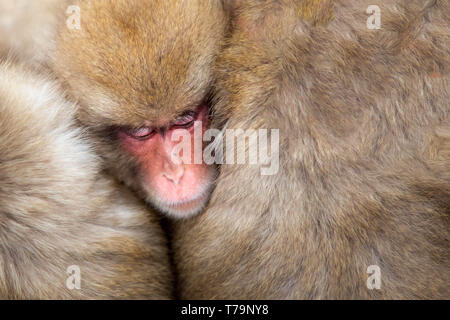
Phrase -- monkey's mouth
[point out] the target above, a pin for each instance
(190, 206)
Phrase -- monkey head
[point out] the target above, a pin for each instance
(142, 71)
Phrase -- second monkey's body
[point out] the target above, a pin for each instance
(364, 176)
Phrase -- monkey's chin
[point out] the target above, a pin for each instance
(184, 209)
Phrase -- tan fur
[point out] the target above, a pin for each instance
(28, 28)
(57, 209)
(364, 173)
(147, 57)
(137, 62)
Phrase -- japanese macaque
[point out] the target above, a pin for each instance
(141, 70)
(360, 205)
(66, 230)
(28, 28)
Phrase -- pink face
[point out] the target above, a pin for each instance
(178, 188)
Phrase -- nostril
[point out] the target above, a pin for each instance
(175, 174)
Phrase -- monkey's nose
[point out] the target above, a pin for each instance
(174, 173)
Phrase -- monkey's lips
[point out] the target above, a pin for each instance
(184, 208)
(189, 206)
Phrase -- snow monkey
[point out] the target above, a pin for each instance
(360, 205)
(141, 70)
(67, 231)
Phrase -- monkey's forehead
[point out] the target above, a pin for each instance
(149, 57)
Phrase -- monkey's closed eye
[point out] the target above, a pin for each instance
(142, 133)
(186, 121)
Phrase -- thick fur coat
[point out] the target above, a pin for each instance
(58, 210)
(364, 173)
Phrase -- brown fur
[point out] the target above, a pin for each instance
(137, 61)
(57, 209)
(364, 173)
